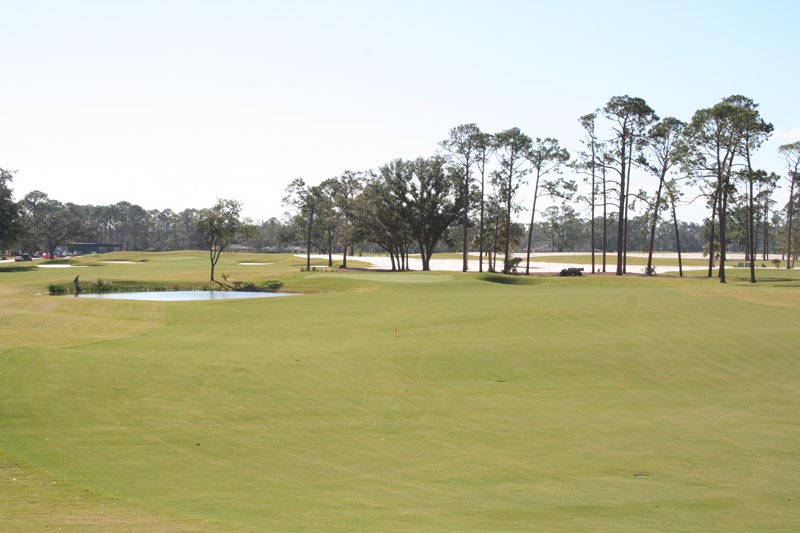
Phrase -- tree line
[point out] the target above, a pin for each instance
(467, 197)
(468, 192)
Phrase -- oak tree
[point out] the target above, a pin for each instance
(219, 226)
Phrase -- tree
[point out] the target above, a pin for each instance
(564, 229)
(328, 216)
(588, 162)
(604, 159)
(49, 223)
(267, 235)
(495, 219)
(714, 138)
(545, 156)
(755, 132)
(103, 223)
(512, 148)
(431, 203)
(347, 187)
(463, 146)
(665, 151)
(163, 230)
(56, 225)
(380, 216)
(9, 212)
(410, 201)
(188, 236)
(673, 194)
(219, 226)
(307, 200)
(630, 117)
(138, 226)
(791, 152)
(485, 146)
(766, 189)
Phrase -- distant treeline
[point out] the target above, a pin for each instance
(467, 197)
(46, 222)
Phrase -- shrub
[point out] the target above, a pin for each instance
(248, 286)
(102, 286)
(57, 289)
(272, 285)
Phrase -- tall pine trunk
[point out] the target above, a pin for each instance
(751, 245)
(605, 220)
(627, 204)
(789, 217)
(344, 239)
(308, 240)
(713, 219)
(592, 229)
(677, 238)
(723, 224)
(621, 217)
(465, 221)
(765, 255)
(653, 227)
(480, 232)
(494, 245)
(507, 257)
(530, 229)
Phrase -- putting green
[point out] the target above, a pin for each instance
(454, 404)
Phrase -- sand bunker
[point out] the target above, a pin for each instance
(454, 265)
(254, 264)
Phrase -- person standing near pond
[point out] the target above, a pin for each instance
(77, 283)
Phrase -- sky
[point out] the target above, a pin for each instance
(173, 104)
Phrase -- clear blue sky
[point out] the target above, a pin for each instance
(176, 103)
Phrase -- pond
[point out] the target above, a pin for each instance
(184, 296)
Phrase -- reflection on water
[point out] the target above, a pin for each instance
(182, 296)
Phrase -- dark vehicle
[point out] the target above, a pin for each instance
(572, 271)
(23, 257)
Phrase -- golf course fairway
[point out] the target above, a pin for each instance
(399, 402)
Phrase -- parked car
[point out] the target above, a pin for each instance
(23, 257)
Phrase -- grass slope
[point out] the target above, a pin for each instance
(419, 401)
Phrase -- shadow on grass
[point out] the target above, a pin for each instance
(789, 282)
(506, 279)
(17, 268)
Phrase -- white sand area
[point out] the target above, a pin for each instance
(454, 265)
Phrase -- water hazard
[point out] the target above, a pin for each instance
(184, 296)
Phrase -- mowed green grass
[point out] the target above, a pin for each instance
(396, 402)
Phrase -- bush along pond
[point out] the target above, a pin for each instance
(136, 290)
